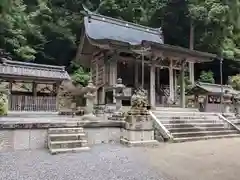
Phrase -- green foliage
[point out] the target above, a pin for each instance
(80, 76)
(48, 31)
(16, 28)
(3, 104)
(207, 77)
(234, 81)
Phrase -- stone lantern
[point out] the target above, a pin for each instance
(227, 102)
(90, 97)
(237, 103)
(119, 94)
(118, 114)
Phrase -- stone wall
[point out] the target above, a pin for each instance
(31, 139)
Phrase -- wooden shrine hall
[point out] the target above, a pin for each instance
(32, 87)
(114, 48)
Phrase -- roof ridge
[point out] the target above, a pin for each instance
(33, 65)
(159, 30)
(204, 83)
(127, 23)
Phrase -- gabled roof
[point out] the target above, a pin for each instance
(214, 89)
(18, 70)
(109, 33)
(102, 28)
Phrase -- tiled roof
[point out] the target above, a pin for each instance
(31, 70)
(99, 27)
(212, 88)
(103, 30)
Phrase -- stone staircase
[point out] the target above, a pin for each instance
(234, 119)
(190, 125)
(67, 140)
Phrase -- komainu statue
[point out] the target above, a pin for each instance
(139, 102)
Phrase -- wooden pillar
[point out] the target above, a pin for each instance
(34, 91)
(182, 85)
(158, 78)
(191, 72)
(10, 96)
(152, 86)
(158, 85)
(113, 76)
(102, 96)
(56, 87)
(136, 74)
(171, 85)
(175, 83)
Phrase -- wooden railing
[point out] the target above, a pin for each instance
(30, 103)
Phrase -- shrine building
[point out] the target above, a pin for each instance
(114, 48)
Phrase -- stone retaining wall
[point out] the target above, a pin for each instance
(27, 137)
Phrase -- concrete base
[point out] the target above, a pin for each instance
(139, 143)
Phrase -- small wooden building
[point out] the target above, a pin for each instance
(32, 87)
(210, 95)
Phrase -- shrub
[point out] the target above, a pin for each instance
(3, 104)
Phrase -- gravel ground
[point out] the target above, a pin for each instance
(104, 162)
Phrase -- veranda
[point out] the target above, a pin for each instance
(114, 49)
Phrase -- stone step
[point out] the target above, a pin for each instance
(184, 114)
(64, 150)
(182, 121)
(234, 120)
(176, 109)
(203, 133)
(68, 144)
(172, 125)
(196, 129)
(186, 118)
(236, 123)
(66, 137)
(184, 139)
(65, 130)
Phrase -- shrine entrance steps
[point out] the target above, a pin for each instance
(186, 125)
(234, 119)
(62, 140)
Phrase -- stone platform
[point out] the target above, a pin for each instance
(29, 131)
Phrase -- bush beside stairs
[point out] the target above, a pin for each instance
(62, 140)
(191, 125)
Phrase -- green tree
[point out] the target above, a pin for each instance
(207, 77)
(234, 81)
(16, 28)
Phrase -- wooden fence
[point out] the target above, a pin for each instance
(30, 103)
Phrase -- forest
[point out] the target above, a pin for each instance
(48, 31)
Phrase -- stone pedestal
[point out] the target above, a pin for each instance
(138, 130)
